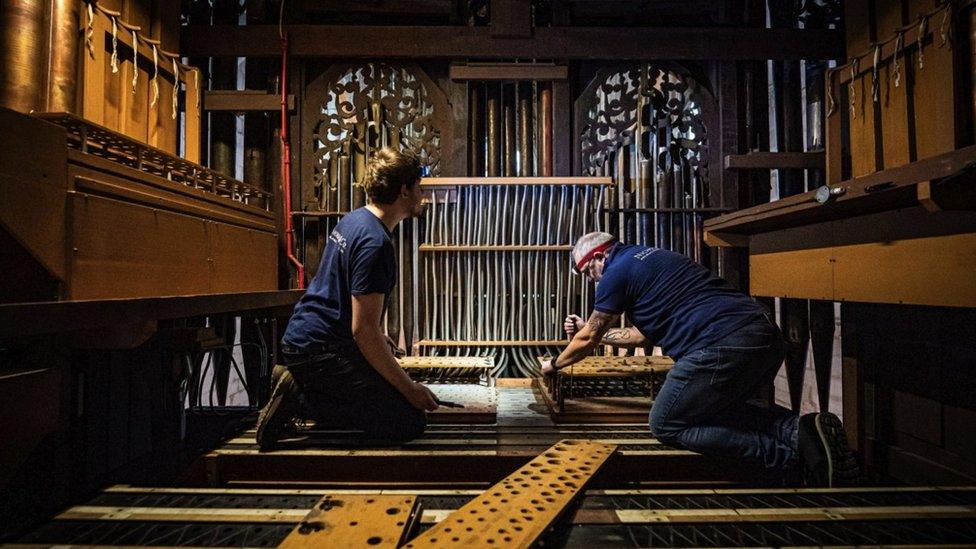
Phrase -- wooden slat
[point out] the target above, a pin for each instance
(429, 182)
(519, 509)
(179, 514)
(507, 72)
(238, 101)
(820, 514)
(861, 120)
(437, 362)
(354, 521)
(191, 126)
(894, 117)
(936, 121)
(774, 160)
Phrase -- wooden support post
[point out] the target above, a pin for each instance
(355, 521)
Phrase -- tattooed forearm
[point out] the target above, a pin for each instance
(624, 337)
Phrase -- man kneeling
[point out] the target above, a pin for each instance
(336, 357)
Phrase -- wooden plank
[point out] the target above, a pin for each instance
(92, 78)
(894, 116)
(134, 104)
(922, 271)
(863, 196)
(887, 18)
(480, 404)
(833, 142)
(438, 362)
(794, 273)
(176, 514)
(242, 259)
(546, 42)
(775, 160)
(355, 521)
(832, 514)
(162, 131)
(517, 511)
(239, 101)
(507, 72)
(510, 18)
(432, 182)
(859, 26)
(861, 120)
(191, 127)
(937, 124)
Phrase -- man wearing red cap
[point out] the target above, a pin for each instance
(725, 348)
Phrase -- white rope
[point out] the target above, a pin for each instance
(196, 82)
(896, 68)
(923, 26)
(853, 91)
(831, 104)
(135, 60)
(944, 27)
(176, 86)
(875, 85)
(154, 81)
(91, 31)
(115, 45)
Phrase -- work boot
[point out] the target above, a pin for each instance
(279, 414)
(825, 457)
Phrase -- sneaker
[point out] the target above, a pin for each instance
(278, 415)
(826, 459)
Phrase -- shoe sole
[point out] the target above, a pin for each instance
(827, 451)
(266, 417)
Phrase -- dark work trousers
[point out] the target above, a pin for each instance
(703, 405)
(341, 390)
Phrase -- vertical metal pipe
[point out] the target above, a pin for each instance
(360, 150)
(62, 84)
(476, 145)
(526, 161)
(342, 179)
(508, 122)
(494, 131)
(22, 48)
(545, 125)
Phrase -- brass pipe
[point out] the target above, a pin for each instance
(526, 162)
(359, 145)
(62, 85)
(343, 179)
(494, 132)
(545, 125)
(508, 121)
(476, 144)
(23, 49)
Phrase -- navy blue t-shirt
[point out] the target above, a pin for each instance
(359, 259)
(674, 302)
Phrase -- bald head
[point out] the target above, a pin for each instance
(588, 243)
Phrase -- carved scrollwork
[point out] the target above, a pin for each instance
(365, 106)
(643, 99)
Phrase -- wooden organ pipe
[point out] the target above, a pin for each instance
(545, 129)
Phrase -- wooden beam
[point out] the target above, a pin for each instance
(508, 71)
(880, 191)
(244, 101)
(760, 160)
(429, 182)
(511, 18)
(518, 510)
(360, 41)
(355, 521)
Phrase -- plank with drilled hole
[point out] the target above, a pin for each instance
(349, 520)
(519, 509)
(480, 404)
(442, 362)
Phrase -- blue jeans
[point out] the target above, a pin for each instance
(703, 406)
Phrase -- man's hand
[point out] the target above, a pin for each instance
(421, 397)
(548, 367)
(394, 348)
(572, 324)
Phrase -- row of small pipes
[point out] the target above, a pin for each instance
(510, 129)
(659, 201)
(504, 295)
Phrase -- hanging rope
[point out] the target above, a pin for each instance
(831, 103)
(855, 64)
(135, 57)
(115, 45)
(945, 29)
(176, 87)
(923, 26)
(875, 85)
(90, 33)
(896, 68)
(154, 81)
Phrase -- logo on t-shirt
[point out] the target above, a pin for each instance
(340, 240)
(641, 255)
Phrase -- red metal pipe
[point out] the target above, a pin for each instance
(286, 166)
(545, 118)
